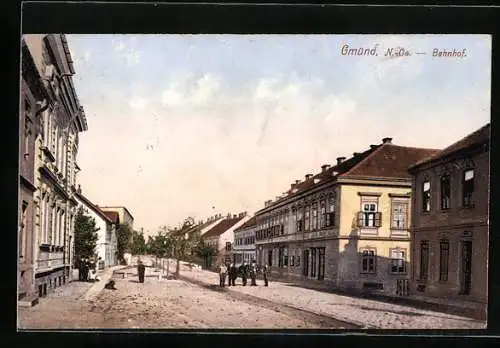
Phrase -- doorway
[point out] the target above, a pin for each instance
(305, 263)
(466, 271)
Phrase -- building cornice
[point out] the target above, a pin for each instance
(53, 179)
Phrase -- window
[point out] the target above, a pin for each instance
(314, 222)
(285, 257)
(424, 259)
(369, 217)
(22, 230)
(297, 260)
(313, 262)
(468, 188)
(305, 266)
(426, 196)
(368, 261)
(330, 214)
(322, 214)
(321, 263)
(445, 191)
(398, 261)
(294, 221)
(399, 215)
(270, 258)
(228, 246)
(307, 219)
(292, 260)
(444, 252)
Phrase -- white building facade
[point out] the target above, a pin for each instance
(106, 246)
(244, 242)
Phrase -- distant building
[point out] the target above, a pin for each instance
(52, 118)
(244, 242)
(221, 236)
(450, 221)
(348, 225)
(106, 247)
(124, 215)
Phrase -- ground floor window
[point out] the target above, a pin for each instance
(313, 262)
(368, 261)
(444, 253)
(270, 258)
(424, 259)
(398, 261)
(321, 263)
(305, 265)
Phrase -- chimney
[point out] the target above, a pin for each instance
(79, 188)
(292, 186)
(324, 167)
(297, 182)
(387, 140)
(277, 198)
(234, 216)
(355, 154)
(308, 176)
(340, 160)
(373, 146)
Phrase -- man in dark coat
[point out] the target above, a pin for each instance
(141, 269)
(233, 274)
(81, 264)
(265, 273)
(86, 269)
(253, 273)
(244, 273)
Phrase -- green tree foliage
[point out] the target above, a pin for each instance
(85, 235)
(206, 252)
(138, 244)
(124, 240)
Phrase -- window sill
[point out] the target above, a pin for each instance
(468, 207)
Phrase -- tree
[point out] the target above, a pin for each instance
(124, 239)
(206, 252)
(138, 244)
(85, 235)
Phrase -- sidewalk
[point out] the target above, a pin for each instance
(97, 287)
(361, 311)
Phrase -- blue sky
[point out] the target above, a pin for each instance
(181, 123)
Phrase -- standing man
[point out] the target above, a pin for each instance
(253, 273)
(230, 274)
(243, 273)
(141, 269)
(233, 274)
(222, 274)
(266, 275)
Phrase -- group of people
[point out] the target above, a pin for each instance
(244, 271)
(87, 270)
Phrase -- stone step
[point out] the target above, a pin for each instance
(28, 301)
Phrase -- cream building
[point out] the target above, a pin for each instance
(244, 242)
(347, 225)
(56, 148)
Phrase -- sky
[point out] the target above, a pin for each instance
(193, 125)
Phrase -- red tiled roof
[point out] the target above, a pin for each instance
(222, 226)
(249, 223)
(113, 216)
(389, 161)
(480, 136)
(380, 161)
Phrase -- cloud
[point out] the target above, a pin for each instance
(138, 102)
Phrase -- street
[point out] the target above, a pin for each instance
(196, 301)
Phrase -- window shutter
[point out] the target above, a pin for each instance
(361, 217)
(378, 219)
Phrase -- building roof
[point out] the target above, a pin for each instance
(109, 207)
(480, 136)
(223, 226)
(389, 161)
(386, 161)
(94, 207)
(113, 216)
(249, 223)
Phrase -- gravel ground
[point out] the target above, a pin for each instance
(158, 304)
(366, 313)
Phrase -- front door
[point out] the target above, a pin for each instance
(466, 256)
(321, 263)
(305, 263)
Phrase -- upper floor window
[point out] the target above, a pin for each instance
(369, 216)
(445, 191)
(307, 218)
(399, 215)
(468, 188)
(314, 222)
(426, 196)
(330, 214)
(322, 214)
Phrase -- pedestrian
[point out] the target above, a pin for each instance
(141, 269)
(253, 273)
(222, 274)
(243, 273)
(266, 275)
(81, 264)
(86, 268)
(233, 274)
